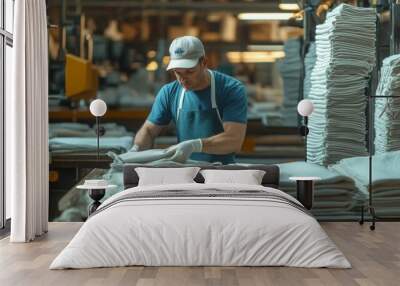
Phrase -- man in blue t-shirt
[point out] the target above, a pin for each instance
(209, 108)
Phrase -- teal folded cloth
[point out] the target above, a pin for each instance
(74, 144)
(141, 156)
(385, 171)
(70, 126)
(67, 129)
(84, 130)
(154, 157)
(332, 191)
(73, 214)
(307, 169)
(74, 204)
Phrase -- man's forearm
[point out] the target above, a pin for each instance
(221, 144)
(143, 139)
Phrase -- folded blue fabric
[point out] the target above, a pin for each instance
(68, 144)
(385, 171)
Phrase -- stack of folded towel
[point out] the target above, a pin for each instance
(68, 129)
(385, 179)
(345, 46)
(387, 110)
(74, 129)
(290, 69)
(334, 193)
(89, 144)
(309, 63)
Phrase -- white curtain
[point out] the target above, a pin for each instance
(27, 123)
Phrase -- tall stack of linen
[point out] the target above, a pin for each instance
(387, 110)
(334, 194)
(309, 63)
(385, 179)
(290, 69)
(345, 46)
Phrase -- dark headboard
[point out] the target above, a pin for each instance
(270, 179)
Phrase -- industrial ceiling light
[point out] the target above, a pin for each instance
(151, 54)
(291, 5)
(165, 60)
(265, 47)
(265, 16)
(254, 57)
(152, 66)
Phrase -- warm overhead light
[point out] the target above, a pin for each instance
(165, 60)
(289, 6)
(151, 54)
(254, 57)
(264, 16)
(152, 66)
(265, 47)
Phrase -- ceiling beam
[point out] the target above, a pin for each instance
(265, 6)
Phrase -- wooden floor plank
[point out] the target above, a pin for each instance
(374, 255)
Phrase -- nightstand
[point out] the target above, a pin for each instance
(97, 190)
(305, 190)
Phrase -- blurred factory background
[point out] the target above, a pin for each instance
(118, 51)
(125, 44)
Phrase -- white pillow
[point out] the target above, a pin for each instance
(163, 176)
(248, 177)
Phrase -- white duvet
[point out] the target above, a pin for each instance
(188, 231)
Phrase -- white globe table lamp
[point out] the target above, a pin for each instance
(96, 188)
(98, 108)
(305, 108)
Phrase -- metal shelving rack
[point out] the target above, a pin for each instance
(309, 26)
(394, 7)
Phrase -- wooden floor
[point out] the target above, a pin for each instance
(375, 257)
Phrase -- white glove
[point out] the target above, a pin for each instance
(184, 149)
(134, 148)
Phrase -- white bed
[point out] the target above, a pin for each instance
(248, 226)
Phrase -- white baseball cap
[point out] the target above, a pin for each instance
(185, 52)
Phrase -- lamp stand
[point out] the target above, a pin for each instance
(98, 136)
(96, 195)
(305, 137)
(304, 132)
